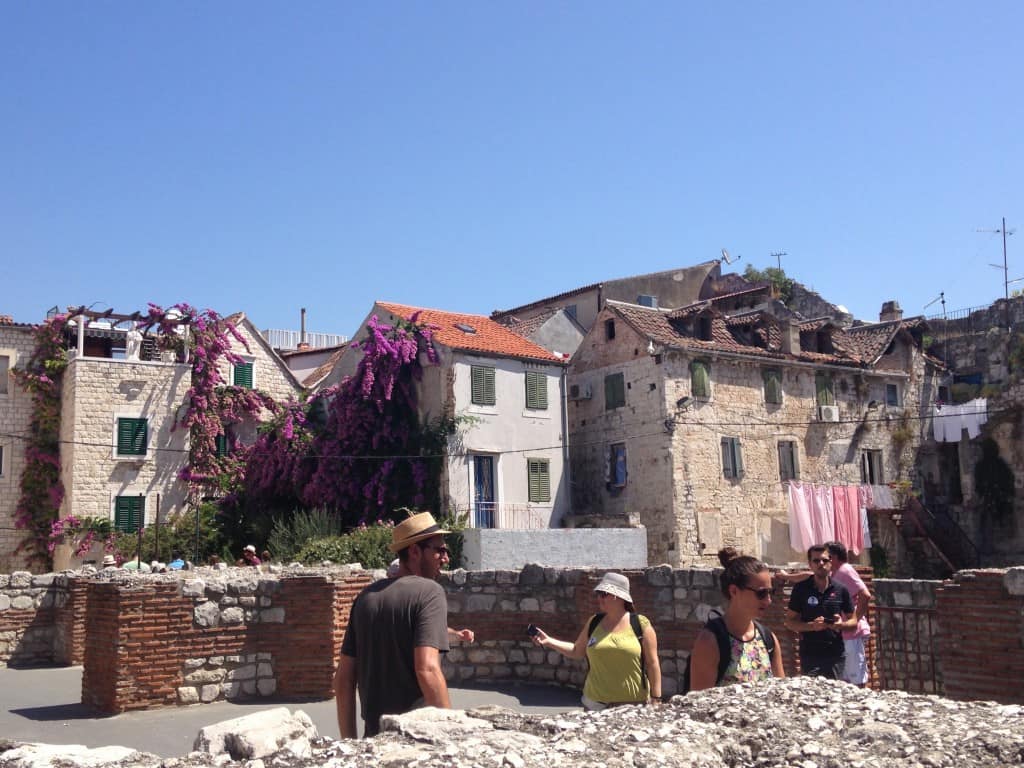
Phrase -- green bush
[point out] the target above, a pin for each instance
(290, 534)
(366, 545)
(176, 535)
(879, 562)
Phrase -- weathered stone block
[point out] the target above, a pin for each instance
(22, 603)
(482, 603)
(233, 615)
(207, 614)
(272, 615)
(529, 605)
(209, 693)
(188, 695)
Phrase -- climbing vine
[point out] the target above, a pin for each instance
(41, 491)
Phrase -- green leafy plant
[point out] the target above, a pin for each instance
(291, 533)
(782, 285)
(366, 545)
(177, 535)
(879, 562)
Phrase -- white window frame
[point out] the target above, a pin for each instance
(149, 437)
(12, 361)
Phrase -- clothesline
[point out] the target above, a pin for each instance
(820, 513)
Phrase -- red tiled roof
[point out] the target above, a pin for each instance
(488, 337)
(756, 288)
(664, 328)
(870, 341)
(530, 324)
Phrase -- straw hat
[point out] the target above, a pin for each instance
(615, 584)
(413, 529)
(109, 561)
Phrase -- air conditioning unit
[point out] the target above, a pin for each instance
(828, 413)
(580, 392)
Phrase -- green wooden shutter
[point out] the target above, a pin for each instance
(539, 480)
(614, 391)
(536, 391)
(132, 437)
(128, 513)
(772, 385)
(222, 445)
(700, 379)
(482, 379)
(728, 467)
(823, 387)
(787, 460)
(243, 375)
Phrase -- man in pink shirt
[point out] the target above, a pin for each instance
(855, 640)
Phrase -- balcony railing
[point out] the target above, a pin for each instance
(507, 516)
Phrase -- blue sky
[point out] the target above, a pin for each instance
(476, 156)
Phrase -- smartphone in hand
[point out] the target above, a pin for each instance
(532, 630)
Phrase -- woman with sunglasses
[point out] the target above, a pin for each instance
(747, 584)
(624, 668)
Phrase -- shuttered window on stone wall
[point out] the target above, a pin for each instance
(243, 375)
(824, 389)
(539, 479)
(482, 382)
(128, 513)
(700, 379)
(614, 391)
(772, 385)
(617, 473)
(787, 460)
(536, 391)
(732, 458)
(222, 445)
(132, 436)
(5, 366)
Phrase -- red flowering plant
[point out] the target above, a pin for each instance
(81, 534)
(41, 490)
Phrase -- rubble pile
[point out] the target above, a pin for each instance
(793, 723)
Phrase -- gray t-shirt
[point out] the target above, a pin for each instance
(388, 620)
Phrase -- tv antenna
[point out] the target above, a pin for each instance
(941, 298)
(777, 255)
(945, 327)
(730, 259)
(1006, 271)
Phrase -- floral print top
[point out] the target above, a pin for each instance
(749, 661)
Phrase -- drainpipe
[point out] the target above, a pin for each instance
(81, 337)
(566, 470)
(302, 327)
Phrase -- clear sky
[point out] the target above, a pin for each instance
(476, 156)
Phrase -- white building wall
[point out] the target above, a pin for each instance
(512, 434)
(95, 393)
(17, 344)
(613, 548)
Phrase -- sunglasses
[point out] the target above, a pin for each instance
(442, 550)
(761, 593)
(821, 560)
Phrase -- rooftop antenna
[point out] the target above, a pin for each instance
(1006, 271)
(777, 255)
(945, 326)
(730, 259)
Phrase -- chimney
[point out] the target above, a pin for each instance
(303, 346)
(790, 333)
(302, 328)
(890, 311)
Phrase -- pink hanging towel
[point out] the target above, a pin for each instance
(822, 514)
(800, 529)
(847, 517)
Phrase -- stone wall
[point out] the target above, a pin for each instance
(205, 635)
(16, 345)
(494, 548)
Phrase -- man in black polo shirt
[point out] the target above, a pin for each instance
(819, 609)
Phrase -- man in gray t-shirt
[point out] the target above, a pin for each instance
(397, 631)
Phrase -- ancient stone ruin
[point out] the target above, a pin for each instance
(792, 723)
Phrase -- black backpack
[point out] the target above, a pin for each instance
(716, 626)
(634, 623)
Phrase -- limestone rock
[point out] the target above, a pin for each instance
(259, 735)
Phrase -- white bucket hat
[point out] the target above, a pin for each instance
(615, 584)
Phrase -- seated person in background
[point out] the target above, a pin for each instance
(177, 562)
(249, 556)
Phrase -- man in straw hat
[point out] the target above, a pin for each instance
(397, 631)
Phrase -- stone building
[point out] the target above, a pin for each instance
(16, 345)
(506, 465)
(690, 421)
(120, 452)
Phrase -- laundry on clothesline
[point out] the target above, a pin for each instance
(820, 513)
(949, 421)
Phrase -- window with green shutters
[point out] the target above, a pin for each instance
(132, 436)
(536, 391)
(243, 375)
(222, 445)
(772, 385)
(482, 377)
(614, 391)
(787, 460)
(732, 458)
(825, 389)
(539, 479)
(700, 379)
(129, 512)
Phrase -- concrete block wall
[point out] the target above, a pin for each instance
(493, 548)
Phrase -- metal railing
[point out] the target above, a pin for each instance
(507, 516)
(287, 340)
(904, 640)
(943, 531)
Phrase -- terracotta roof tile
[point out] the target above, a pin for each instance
(488, 336)
(321, 372)
(530, 324)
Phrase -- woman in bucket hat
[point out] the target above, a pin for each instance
(620, 645)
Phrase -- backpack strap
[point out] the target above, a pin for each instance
(593, 624)
(767, 637)
(716, 626)
(634, 622)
